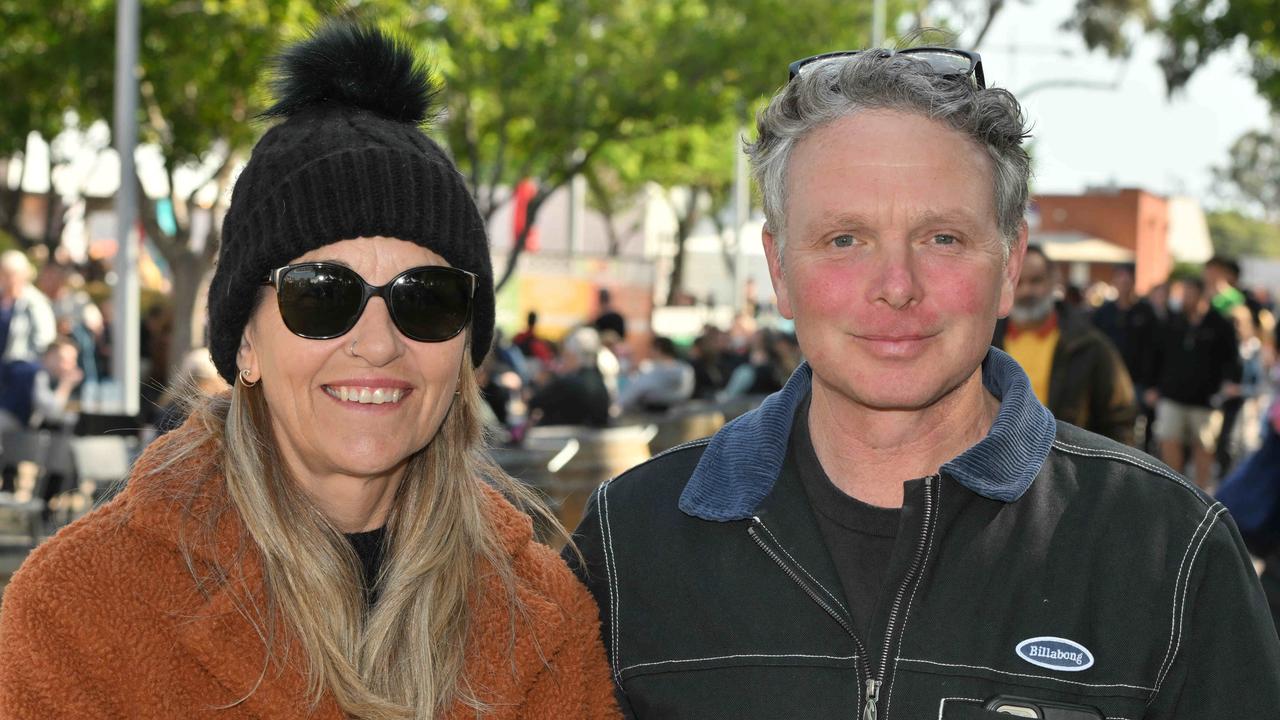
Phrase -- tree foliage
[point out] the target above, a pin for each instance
(200, 71)
(1238, 235)
(622, 91)
(1251, 175)
(541, 89)
(1195, 30)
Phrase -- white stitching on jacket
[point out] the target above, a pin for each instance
(606, 531)
(745, 655)
(1174, 628)
(664, 453)
(910, 601)
(942, 704)
(1117, 455)
(1025, 675)
(1182, 606)
(806, 572)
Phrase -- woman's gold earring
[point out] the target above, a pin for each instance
(244, 378)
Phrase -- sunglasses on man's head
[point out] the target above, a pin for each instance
(324, 300)
(947, 62)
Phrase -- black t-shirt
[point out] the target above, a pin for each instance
(1195, 359)
(368, 547)
(859, 536)
(580, 398)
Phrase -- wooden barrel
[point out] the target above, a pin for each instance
(688, 422)
(567, 463)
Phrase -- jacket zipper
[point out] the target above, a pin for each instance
(860, 651)
(871, 684)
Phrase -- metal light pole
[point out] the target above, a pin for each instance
(125, 342)
(741, 212)
(877, 24)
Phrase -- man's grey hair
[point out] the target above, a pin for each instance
(828, 90)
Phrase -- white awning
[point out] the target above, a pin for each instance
(1080, 247)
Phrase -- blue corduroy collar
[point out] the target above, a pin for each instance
(743, 460)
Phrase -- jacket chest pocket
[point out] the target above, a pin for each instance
(947, 693)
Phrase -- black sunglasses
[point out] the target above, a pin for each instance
(324, 300)
(947, 62)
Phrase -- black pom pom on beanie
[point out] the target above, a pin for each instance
(349, 160)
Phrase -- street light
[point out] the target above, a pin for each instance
(125, 346)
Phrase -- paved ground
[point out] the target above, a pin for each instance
(13, 549)
(7, 565)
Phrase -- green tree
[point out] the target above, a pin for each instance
(1195, 30)
(540, 89)
(1237, 234)
(695, 167)
(200, 69)
(1251, 175)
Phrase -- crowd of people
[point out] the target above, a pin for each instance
(595, 377)
(1183, 372)
(55, 366)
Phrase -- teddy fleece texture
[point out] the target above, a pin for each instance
(104, 621)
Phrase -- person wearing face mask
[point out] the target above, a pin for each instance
(1074, 370)
(329, 539)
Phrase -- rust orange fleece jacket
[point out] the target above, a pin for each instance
(104, 621)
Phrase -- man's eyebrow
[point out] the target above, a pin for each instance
(944, 217)
(949, 216)
(842, 219)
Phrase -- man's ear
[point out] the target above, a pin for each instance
(1012, 271)
(773, 254)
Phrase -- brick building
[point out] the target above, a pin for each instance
(1089, 233)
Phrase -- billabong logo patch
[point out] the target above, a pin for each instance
(1055, 653)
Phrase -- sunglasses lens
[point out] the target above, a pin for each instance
(320, 301)
(431, 304)
(941, 61)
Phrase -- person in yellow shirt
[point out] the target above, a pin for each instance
(1074, 369)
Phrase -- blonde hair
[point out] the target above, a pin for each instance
(403, 657)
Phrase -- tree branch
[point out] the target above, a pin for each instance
(500, 155)
(469, 141)
(223, 167)
(993, 9)
(213, 237)
(517, 248)
(147, 215)
(155, 118)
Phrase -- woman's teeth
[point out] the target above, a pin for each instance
(365, 396)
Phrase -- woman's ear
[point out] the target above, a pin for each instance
(247, 357)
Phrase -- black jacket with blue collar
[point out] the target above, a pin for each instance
(1044, 563)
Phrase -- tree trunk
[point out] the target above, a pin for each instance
(517, 248)
(54, 220)
(684, 226)
(190, 290)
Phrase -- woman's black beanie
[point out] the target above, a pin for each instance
(350, 160)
